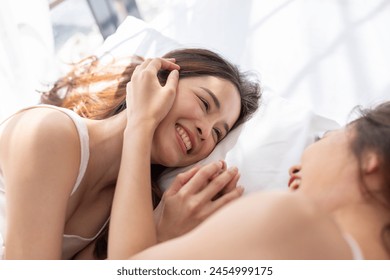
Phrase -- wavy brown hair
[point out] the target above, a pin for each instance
(97, 90)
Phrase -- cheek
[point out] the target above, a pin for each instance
(318, 171)
(186, 108)
(184, 98)
(207, 148)
(310, 164)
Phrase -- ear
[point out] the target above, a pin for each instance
(370, 162)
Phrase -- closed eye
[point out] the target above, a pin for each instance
(205, 103)
(320, 135)
(218, 134)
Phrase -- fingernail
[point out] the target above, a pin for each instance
(223, 164)
(233, 169)
(241, 189)
(170, 59)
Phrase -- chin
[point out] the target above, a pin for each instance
(168, 159)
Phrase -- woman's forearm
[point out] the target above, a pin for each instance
(132, 226)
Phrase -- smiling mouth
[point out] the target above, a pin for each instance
(184, 137)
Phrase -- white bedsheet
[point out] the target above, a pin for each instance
(327, 54)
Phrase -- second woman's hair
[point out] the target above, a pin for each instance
(372, 133)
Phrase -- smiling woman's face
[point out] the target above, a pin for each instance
(204, 111)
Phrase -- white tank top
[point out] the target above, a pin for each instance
(354, 246)
(71, 243)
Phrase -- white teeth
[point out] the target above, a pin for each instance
(184, 136)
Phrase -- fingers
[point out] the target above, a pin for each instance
(229, 193)
(143, 65)
(222, 169)
(231, 185)
(163, 63)
(181, 180)
(202, 177)
(172, 81)
(155, 64)
(220, 182)
(190, 199)
(149, 100)
(225, 199)
(211, 179)
(152, 66)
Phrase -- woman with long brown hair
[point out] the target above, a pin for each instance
(60, 172)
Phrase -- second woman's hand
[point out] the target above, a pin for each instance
(193, 196)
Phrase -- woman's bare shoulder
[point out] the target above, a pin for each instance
(38, 118)
(42, 136)
(291, 226)
(263, 225)
(39, 124)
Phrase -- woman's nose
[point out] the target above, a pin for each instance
(294, 169)
(204, 129)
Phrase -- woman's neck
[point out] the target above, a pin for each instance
(106, 141)
(365, 222)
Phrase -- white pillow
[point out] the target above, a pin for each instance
(135, 37)
(267, 145)
(263, 148)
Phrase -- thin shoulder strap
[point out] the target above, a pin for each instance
(355, 249)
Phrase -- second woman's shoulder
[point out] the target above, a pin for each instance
(263, 225)
(298, 225)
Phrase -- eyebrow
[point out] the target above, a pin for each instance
(215, 99)
(217, 104)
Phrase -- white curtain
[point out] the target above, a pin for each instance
(26, 52)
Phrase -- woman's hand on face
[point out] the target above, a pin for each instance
(146, 99)
(193, 196)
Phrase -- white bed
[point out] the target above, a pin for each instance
(316, 61)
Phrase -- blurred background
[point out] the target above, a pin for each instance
(329, 55)
(39, 38)
(80, 26)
